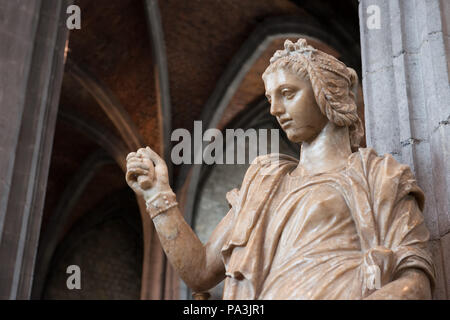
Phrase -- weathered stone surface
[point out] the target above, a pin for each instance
(16, 30)
(32, 55)
(411, 119)
(439, 292)
(445, 245)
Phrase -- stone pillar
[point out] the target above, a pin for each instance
(406, 93)
(32, 41)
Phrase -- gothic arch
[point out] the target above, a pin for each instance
(117, 149)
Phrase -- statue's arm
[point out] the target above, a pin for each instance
(411, 284)
(408, 233)
(200, 266)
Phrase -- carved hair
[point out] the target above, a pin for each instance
(334, 84)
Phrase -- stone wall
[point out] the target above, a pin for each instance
(33, 37)
(407, 95)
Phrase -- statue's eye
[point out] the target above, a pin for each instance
(287, 93)
(268, 98)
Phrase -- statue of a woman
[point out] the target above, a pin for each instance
(334, 225)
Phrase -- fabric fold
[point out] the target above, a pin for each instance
(383, 202)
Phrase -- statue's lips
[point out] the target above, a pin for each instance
(286, 123)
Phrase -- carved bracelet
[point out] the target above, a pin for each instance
(160, 203)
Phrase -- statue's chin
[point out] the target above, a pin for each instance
(295, 139)
(299, 136)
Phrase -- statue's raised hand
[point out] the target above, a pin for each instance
(146, 173)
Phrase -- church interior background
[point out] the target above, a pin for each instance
(133, 73)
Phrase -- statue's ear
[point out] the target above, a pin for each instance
(353, 76)
(353, 81)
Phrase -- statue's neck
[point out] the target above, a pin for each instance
(328, 151)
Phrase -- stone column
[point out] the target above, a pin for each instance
(33, 34)
(406, 93)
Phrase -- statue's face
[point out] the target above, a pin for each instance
(293, 103)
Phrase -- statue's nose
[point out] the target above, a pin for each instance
(276, 109)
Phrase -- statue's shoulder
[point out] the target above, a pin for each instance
(261, 174)
(268, 165)
(383, 172)
(370, 160)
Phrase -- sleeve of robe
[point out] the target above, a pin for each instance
(392, 228)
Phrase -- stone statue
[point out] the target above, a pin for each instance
(332, 225)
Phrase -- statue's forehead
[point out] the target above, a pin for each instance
(280, 77)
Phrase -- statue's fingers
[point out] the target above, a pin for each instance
(152, 155)
(160, 164)
(147, 161)
(142, 152)
(149, 165)
(131, 182)
(145, 182)
(130, 177)
(137, 164)
(131, 155)
(134, 173)
(134, 159)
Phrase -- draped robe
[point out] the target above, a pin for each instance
(335, 235)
